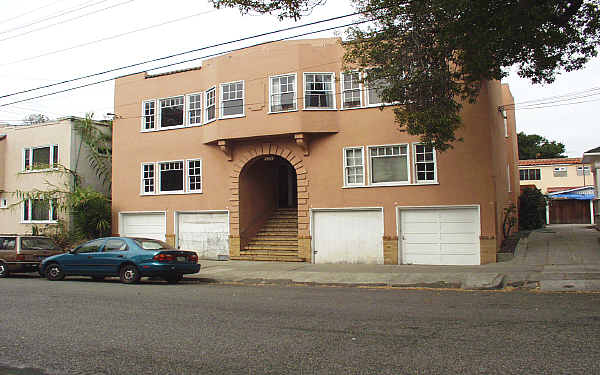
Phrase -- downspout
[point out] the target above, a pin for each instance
(75, 176)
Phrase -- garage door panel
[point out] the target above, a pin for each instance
(147, 225)
(424, 247)
(457, 248)
(412, 227)
(457, 238)
(458, 227)
(205, 233)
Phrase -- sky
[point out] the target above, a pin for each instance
(49, 41)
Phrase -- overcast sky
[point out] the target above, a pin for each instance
(43, 42)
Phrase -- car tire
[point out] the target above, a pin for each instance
(98, 278)
(174, 279)
(129, 274)
(54, 272)
(3, 270)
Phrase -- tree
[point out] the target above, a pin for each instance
(36, 118)
(533, 146)
(434, 54)
(532, 209)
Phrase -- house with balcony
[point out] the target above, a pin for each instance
(35, 157)
(275, 152)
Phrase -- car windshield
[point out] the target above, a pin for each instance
(148, 244)
(38, 243)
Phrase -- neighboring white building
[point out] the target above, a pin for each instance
(30, 158)
(592, 157)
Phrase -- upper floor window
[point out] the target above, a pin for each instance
(374, 91)
(560, 171)
(39, 210)
(170, 176)
(425, 168)
(3, 203)
(283, 93)
(148, 178)
(583, 171)
(351, 90)
(529, 174)
(319, 91)
(194, 175)
(232, 99)
(149, 114)
(40, 158)
(210, 105)
(171, 112)
(354, 166)
(389, 164)
(194, 110)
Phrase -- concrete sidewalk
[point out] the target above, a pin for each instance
(554, 258)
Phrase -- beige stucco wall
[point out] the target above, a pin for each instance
(468, 174)
(547, 178)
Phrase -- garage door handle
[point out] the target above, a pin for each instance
(119, 256)
(90, 257)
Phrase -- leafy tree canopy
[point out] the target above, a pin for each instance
(36, 118)
(435, 53)
(533, 146)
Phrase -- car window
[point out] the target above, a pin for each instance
(7, 243)
(115, 245)
(38, 243)
(89, 247)
(148, 244)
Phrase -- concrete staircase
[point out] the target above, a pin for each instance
(277, 240)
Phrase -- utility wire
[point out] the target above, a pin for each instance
(557, 98)
(180, 54)
(29, 12)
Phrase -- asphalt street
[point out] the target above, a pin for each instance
(83, 327)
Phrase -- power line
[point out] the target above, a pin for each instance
(179, 54)
(29, 12)
(556, 98)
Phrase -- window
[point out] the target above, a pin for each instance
(354, 171)
(40, 158)
(508, 187)
(194, 175)
(194, 111)
(8, 243)
(351, 90)
(148, 178)
(210, 106)
(115, 245)
(171, 112)
(583, 171)
(3, 203)
(171, 176)
(232, 99)
(425, 168)
(39, 210)
(529, 174)
(37, 243)
(318, 91)
(505, 120)
(374, 91)
(148, 114)
(89, 247)
(389, 164)
(283, 93)
(560, 171)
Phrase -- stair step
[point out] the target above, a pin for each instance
(271, 248)
(268, 258)
(275, 243)
(275, 237)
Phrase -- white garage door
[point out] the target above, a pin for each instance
(348, 236)
(148, 225)
(205, 233)
(444, 236)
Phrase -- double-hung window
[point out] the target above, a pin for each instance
(210, 105)
(354, 166)
(389, 164)
(171, 112)
(560, 171)
(149, 115)
(374, 91)
(529, 174)
(40, 158)
(424, 160)
(319, 91)
(170, 176)
(194, 109)
(283, 93)
(232, 99)
(583, 171)
(351, 90)
(39, 210)
(194, 176)
(148, 178)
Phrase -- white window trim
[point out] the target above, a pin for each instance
(408, 166)
(508, 184)
(360, 89)
(528, 174)
(505, 121)
(187, 180)
(158, 178)
(143, 117)
(158, 120)
(205, 106)
(53, 165)
(362, 150)
(187, 103)
(50, 214)
(414, 165)
(142, 190)
(373, 105)
(221, 109)
(295, 92)
(333, 91)
(3, 203)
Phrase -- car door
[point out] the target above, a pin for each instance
(114, 251)
(80, 261)
(8, 249)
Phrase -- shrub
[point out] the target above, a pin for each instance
(532, 209)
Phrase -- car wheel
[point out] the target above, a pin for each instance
(130, 274)
(54, 272)
(174, 279)
(3, 270)
(97, 278)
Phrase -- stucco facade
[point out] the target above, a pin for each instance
(550, 174)
(593, 158)
(324, 165)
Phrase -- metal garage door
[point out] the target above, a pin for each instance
(205, 233)
(443, 236)
(148, 225)
(348, 236)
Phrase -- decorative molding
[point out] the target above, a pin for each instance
(226, 148)
(302, 141)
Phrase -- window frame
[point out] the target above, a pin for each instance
(408, 166)
(583, 169)
(333, 92)
(3, 202)
(142, 179)
(158, 121)
(188, 175)
(343, 89)
(52, 164)
(345, 166)
(368, 103)
(414, 166)
(158, 178)
(207, 107)
(28, 203)
(295, 75)
(188, 103)
(508, 184)
(560, 169)
(528, 173)
(222, 116)
(144, 116)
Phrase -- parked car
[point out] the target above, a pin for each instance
(23, 253)
(126, 257)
